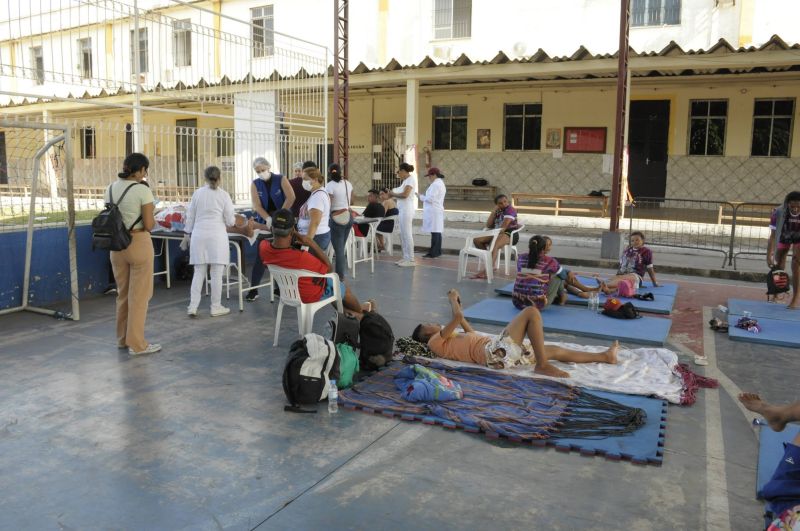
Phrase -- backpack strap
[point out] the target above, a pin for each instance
(111, 197)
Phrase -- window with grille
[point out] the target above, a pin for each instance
(225, 147)
(707, 120)
(142, 66)
(522, 126)
(655, 12)
(87, 143)
(37, 64)
(263, 26)
(450, 127)
(772, 127)
(85, 57)
(452, 19)
(182, 42)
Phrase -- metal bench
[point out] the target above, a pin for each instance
(556, 203)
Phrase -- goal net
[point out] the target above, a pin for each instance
(37, 220)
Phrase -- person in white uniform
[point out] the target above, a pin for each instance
(406, 195)
(207, 220)
(433, 211)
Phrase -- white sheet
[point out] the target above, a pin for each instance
(641, 371)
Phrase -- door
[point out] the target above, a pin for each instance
(384, 157)
(648, 132)
(186, 149)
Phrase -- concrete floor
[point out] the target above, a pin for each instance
(195, 437)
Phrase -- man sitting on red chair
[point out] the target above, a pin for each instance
(288, 250)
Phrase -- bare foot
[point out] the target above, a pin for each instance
(550, 370)
(479, 275)
(611, 353)
(794, 305)
(373, 306)
(754, 403)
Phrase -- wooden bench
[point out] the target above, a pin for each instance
(471, 193)
(15, 189)
(556, 203)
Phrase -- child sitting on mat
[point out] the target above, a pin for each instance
(540, 278)
(507, 349)
(634, 262)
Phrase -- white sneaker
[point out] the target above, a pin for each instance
(150, 349)
(406, 263)
(220, 311)
(191, 312)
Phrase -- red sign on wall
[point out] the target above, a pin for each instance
(585, 140)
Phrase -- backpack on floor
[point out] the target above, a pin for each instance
(108, 229)
(311, 364)
(777, 282)
(615, 308)
(377, 341)
(344, 329)
(344, 334)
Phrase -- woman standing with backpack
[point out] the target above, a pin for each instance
(133, 266)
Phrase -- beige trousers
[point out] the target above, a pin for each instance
(133, 271)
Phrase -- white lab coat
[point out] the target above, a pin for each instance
(209, 214)
(433, 207)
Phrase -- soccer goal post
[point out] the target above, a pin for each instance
(37, 218)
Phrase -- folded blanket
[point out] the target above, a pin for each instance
(421, 384)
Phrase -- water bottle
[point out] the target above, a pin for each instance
(333, 398)
(594, 302)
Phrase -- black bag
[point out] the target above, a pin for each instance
(311, 364)
(777, 282)
(345, 329)
(183, 270)
(108, 230)
(479, 182)
(624, 311)
(377, 341)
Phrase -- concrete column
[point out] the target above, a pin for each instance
(412, 113)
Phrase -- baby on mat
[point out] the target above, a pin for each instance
(507, 349)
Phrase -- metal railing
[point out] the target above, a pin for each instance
(732, 228)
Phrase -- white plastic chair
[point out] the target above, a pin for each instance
(481, 254)
(364, 248)
(509, 249)
(387, 236)
(287, 280)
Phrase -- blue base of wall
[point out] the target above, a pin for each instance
(50, 266)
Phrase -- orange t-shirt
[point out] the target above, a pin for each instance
(469, 347)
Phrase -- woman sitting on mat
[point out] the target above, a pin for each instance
(634, 262)
(540, 278)
(507, 349)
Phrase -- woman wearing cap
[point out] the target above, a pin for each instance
(133, 266)
(433, 211)
(341, 192)
(207, 220)
(407, 203)
(268, 193)
(314, 216)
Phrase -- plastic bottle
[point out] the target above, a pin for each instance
(594, 302)
(333, 398)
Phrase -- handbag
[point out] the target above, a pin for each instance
(343, 217)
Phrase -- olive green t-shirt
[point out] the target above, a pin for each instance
(131, 205)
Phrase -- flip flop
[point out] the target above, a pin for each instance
(645, 296)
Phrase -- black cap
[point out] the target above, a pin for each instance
(309, 164)
(282, 221)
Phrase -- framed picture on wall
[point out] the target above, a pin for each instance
(484, 138)
(553, 139)
(585, 139)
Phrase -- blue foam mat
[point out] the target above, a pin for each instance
(770, 452)
(775, 332)
(576, 321)
(662, 304)
(763, 309)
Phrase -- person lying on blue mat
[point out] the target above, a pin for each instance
(507, 349)
(782, 491)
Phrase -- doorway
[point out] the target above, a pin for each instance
(648, 134)
(384, 157)
(186, 148)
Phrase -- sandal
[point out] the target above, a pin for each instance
(644, 296)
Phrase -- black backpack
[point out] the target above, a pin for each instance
(626, 311)
(777, 282)
(311, 364)
(108, 230)
(377, 341)
(345, 329)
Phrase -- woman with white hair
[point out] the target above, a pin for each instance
(269, 192)
(207, 220)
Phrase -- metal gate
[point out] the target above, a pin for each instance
(385, 158)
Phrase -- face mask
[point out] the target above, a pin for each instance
(307, 185)
(265, 175)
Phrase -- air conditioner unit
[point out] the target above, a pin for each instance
(443, 52)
